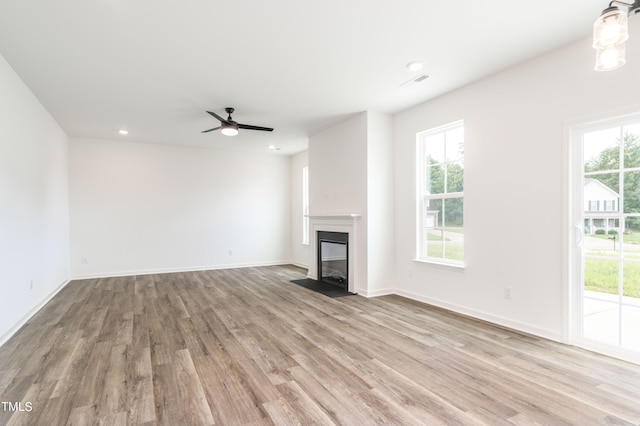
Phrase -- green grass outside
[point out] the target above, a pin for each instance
(451, 251)
(612, 254)
(435, 237)
(456, 230)
(601, 275)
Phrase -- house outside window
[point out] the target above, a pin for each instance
(440, 236)
(600, 202)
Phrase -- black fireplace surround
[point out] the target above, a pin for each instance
(333, 258)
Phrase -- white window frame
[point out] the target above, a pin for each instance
(423, 196)
(305, 205)
(573, 312)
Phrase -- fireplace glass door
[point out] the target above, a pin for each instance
(333, 258)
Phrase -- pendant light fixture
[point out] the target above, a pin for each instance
(610, 32)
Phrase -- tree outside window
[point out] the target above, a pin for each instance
(441, 194)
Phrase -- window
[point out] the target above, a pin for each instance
(305, 205)
(440, 194)
(594, 206)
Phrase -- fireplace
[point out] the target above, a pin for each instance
(339, 229)
(333, 258)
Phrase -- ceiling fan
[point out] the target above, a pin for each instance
(229, 127)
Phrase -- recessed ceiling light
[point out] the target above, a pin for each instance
(273, 148)
(415, 66)
(123, 131)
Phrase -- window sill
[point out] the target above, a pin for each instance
(458, 267)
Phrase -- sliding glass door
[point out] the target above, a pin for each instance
(607, 287)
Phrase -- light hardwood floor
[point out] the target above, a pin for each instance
(246, 346)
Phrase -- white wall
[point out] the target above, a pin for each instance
(380, 204)
(338, 179)
(138, 207)
(338, 168)
(351, 171)
(515, 201)
(34, 244)
(299, 251)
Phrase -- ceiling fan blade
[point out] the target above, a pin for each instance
(250, 127)
(222, 120)
(210, 130)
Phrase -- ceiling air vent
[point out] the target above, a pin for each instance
(415, 80)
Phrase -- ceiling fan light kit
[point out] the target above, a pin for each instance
(229, 127)
(610, 32)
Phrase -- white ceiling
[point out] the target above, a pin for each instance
(155, 66)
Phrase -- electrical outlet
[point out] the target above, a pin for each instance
(85, 260)
(507, 293)
(31, 285)
(230, 252)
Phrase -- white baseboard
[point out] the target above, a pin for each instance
(6, 336)
(485, 316)
(376, 293)
(175, 270)
(298, 264)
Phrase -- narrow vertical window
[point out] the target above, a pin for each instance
(440, 194)
(305, 205)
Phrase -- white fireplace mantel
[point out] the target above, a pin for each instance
(334, 216)
(337, 222)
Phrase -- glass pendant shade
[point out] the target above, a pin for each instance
(610, 58)
(229, 129)
(611, 28)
